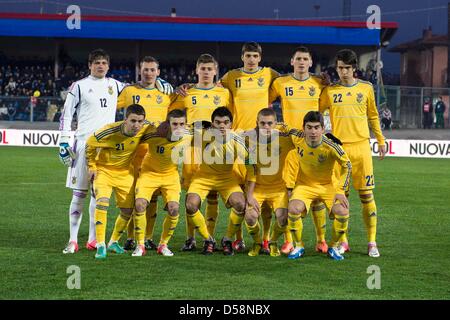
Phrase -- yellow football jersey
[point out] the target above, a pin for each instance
(163, 154)
(298, 97)
(250, 94)
(218, 156)
(154, 102)
(316, 165)
(352, 110)
(110, 148)
(200, 103)
(270, 155)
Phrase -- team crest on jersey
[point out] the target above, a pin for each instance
(74, 180)
(359, 97)
(312, 91)
(261, 81)
(321, 158)
(216, 100)
(110, 90)
(159, 99)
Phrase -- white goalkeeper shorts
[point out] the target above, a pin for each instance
(78, 174)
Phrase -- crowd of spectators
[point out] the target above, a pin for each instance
(23, 77)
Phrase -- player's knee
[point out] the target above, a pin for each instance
(239, 206)
(102, 201)
(339, 211)
(191, 206)
(140, 205)
(251, 216)
(173, 209)
(365, 194)
(296, 208)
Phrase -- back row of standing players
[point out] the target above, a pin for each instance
(245, 91)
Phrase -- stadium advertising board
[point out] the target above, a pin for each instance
(395, 147)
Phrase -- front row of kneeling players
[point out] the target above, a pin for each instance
(110, 152)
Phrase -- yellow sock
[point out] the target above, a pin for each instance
(369, 213)
(190, 230)
(212, 211)
(266, 216)
(150, 216)
(295, 225)
(278, 231)
(234, 223)
(288, 235)
(338, 229)
(101, 209)
(239, 234)
(120, 226)
(139, 226)
(198, 221)
(319, 218)
(130, 231)
(254, 231)
(169, 225)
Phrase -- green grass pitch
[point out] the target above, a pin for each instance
(413, 236)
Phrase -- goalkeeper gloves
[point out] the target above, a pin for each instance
(66, 154)
(163, 86)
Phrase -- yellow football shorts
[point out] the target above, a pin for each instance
(119, 181)
(150, 182)
(202, 185)
(275, 198)
(307, 194)
(362, 167)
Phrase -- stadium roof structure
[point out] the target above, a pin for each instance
(197, 29)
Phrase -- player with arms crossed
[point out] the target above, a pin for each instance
(317, 157)
(109, 154)
(352, 110)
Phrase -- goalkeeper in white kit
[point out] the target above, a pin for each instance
(93, 100)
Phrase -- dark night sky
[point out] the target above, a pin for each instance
(412, 16)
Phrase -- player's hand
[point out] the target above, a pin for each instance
(342, 199)
(382, 151)
(66, 154)
(92, 175)
(326, 79)
(182, 90)
(219, 84)
(251, 202)
(163, 86)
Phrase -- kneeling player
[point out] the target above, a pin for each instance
(160, 172)
(109, 153)
(317, 156)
